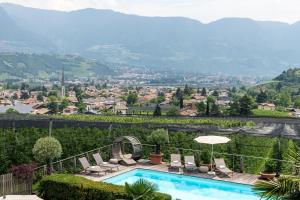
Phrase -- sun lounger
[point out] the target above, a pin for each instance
(88, 168)
(221, 167)
(99, 161)
(189, 163)
(123, 159)
(128, 161)
(175, 161)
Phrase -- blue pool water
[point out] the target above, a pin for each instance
(187, 187)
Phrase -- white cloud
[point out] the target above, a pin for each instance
(203, 10)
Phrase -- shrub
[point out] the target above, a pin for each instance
(64, 186)
(24, 171)
(270, 166)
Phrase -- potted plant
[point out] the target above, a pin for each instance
(268, 172)
(206, 159)
(158, 137)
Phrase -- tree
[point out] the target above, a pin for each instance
(24, 86)
(173, 111)
(187, 91)
(215, 110)
(215, 93)
(233, 90)
(181, 102)
(200, 108)
(203, 92)
(246, 105)
(81, 107)
(63, 104)
(297, 102)
(24, 95)
(161, 97)
(284, 187)
(158, 137)
(178, 93)
(40, 97)
(45, 150)
(132, 98)
(282, 99)
(209, 100)
(234, 107)
(11, 111)
(279, 87)
(141, 190)
(15, 96)
(261, 97)
(53, 104)
(157, 110)
(52, 93)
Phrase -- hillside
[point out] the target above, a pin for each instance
(290, 76)
(283, 91)
(47, 66)
(228, 46)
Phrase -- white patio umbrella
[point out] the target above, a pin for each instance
(212, 139)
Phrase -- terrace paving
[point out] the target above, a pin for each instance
(21, 197)
(241, 178)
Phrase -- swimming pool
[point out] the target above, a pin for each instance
(187, 187)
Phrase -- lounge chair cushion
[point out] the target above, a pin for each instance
(95, 169)
(113, 161)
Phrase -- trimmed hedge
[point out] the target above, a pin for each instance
(70, 187)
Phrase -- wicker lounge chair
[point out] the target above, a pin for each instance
(99, 161)
(88, 168)
(189, 163)
(175, 161)
(222, 168)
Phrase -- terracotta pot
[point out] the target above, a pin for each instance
(267, 175)
(156, 159)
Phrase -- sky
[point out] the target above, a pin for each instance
(202, 10)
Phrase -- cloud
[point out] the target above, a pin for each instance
(203, 10)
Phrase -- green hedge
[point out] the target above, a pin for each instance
(69, 187)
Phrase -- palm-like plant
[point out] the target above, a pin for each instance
(283, 188)
(294, 156)
(141, 190)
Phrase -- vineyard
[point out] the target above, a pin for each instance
(16, 145)
(226, 123)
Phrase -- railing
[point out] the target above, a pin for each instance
(10, 184)
(70, 164)
(235, 162)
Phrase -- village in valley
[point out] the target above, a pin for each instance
(134, 95)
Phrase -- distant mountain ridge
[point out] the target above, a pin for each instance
(228, 46)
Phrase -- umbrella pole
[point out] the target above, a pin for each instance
(211, 160)
(211, 172)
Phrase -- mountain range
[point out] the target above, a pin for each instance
(233, 46)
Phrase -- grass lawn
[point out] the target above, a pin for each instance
(269, 113)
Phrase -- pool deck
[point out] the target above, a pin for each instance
(236, 178)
